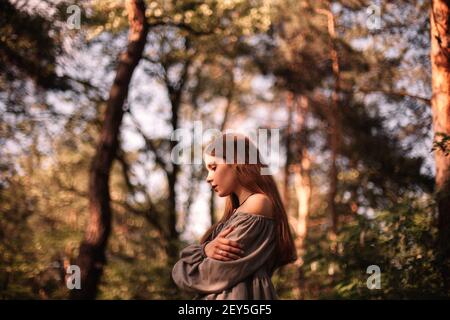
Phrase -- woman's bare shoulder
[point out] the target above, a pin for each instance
(258, 204)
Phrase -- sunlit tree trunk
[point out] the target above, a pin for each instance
(440, 103)
(303, 187)
(333, 121)
(303, 193)
(91, 258)
(302, 175)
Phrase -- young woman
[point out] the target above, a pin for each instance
(237, 256)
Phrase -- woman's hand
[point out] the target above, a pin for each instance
(222, 248)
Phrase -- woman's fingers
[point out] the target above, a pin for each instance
(220, 257)
(228, 254)
(226, 231)
(232, 256)
(226, 251)
(230, 243)
(230, 249)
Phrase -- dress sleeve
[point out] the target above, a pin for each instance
(195, 272)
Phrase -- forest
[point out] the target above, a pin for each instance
(92, 92)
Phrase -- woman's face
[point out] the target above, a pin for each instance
(221, 176)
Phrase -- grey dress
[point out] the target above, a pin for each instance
(246, 278)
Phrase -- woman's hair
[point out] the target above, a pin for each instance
(249, 176)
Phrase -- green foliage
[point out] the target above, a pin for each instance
(29, 46)
(400, 241)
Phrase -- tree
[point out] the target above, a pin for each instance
(440, 104)
(91, 259)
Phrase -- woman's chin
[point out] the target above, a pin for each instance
(221, 194)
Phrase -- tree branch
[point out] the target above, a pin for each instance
(149, 143)
(392, 93)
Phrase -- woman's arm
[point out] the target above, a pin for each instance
(196, 273)
(222, 248)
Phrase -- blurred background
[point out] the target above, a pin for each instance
(91, 92)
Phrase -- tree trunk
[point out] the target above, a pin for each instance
(303, 189)
(175, 92)
(173, 232)
(289, 102)
(303, 192)
(333, 121)
(302, 175)
(440, 103)
(334, 130)
(223, 125)
(92, 258)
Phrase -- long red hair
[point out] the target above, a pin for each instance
(249, 176)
